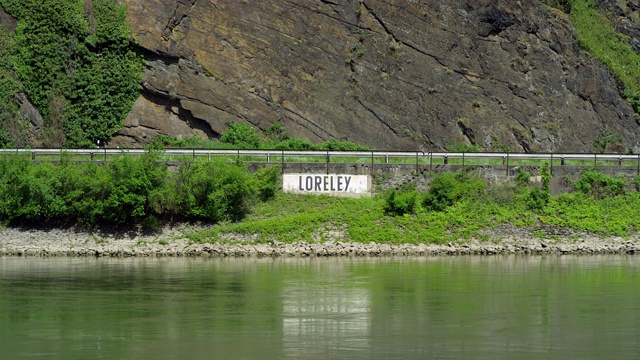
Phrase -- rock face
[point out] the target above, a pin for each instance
(396, 74)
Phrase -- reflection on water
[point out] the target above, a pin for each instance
(451, 307)
(327, 315)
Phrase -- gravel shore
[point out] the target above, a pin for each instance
(170, 241)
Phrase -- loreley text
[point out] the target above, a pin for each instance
(332, 184)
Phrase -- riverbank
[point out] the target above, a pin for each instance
(174, 242)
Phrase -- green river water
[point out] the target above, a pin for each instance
(467, 307)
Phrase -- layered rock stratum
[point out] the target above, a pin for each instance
(401, 74)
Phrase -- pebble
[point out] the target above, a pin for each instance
(78, 243)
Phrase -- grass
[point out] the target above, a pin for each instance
(291, 218)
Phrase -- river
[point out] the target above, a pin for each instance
(466, 307)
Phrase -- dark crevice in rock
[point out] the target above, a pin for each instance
(388, 31)
(171, 105)
(468, 132)
(522, 140)
(167, 59)
(336, 18)
(495, 19)
(381, 22)
(375, 114)
(178, 16)
(314, 129)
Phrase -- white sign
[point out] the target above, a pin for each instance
(332, 184)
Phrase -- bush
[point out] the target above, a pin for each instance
(128, 190)
(289, 144)
(537, 198)
(464, 148)
(522, 177)
(241, 135)
(448, 188)
(268, 182)
(277, 132)
(337, 145)
(213, 191)
(27, 192)
(400, 202)
(599, 185)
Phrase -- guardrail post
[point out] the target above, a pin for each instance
(507, 164)
(328, 160)
(91, 155)
(430, 161)
(446, 159)
(416, 162)
(551, 166)
(372, 173)
(33, 155)
(562, 161)
(386, 161)
(282, 162)
(638, 168)
(268, 156)
(105, 154)
(620, 161)
(463, 160)
(595, 161)
(194, 154)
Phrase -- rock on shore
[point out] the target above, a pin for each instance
(171, 242)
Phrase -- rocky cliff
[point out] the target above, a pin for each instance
(396, 74)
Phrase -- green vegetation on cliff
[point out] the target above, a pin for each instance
(596, 33)
(10, 122)
(76, 63)
(243, 136)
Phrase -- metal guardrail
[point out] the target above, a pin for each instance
(373, 157)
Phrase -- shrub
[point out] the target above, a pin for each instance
(131, 182)
(268, 182)
(289, 144)
(599, 185)
(337, 145)
(448, 188)
(277, 132)
(538, 198)
(522, 177)
(464, 148)
(26, 192)
(128, 190)
(213, 191)
(400, 202)
(241, 135)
